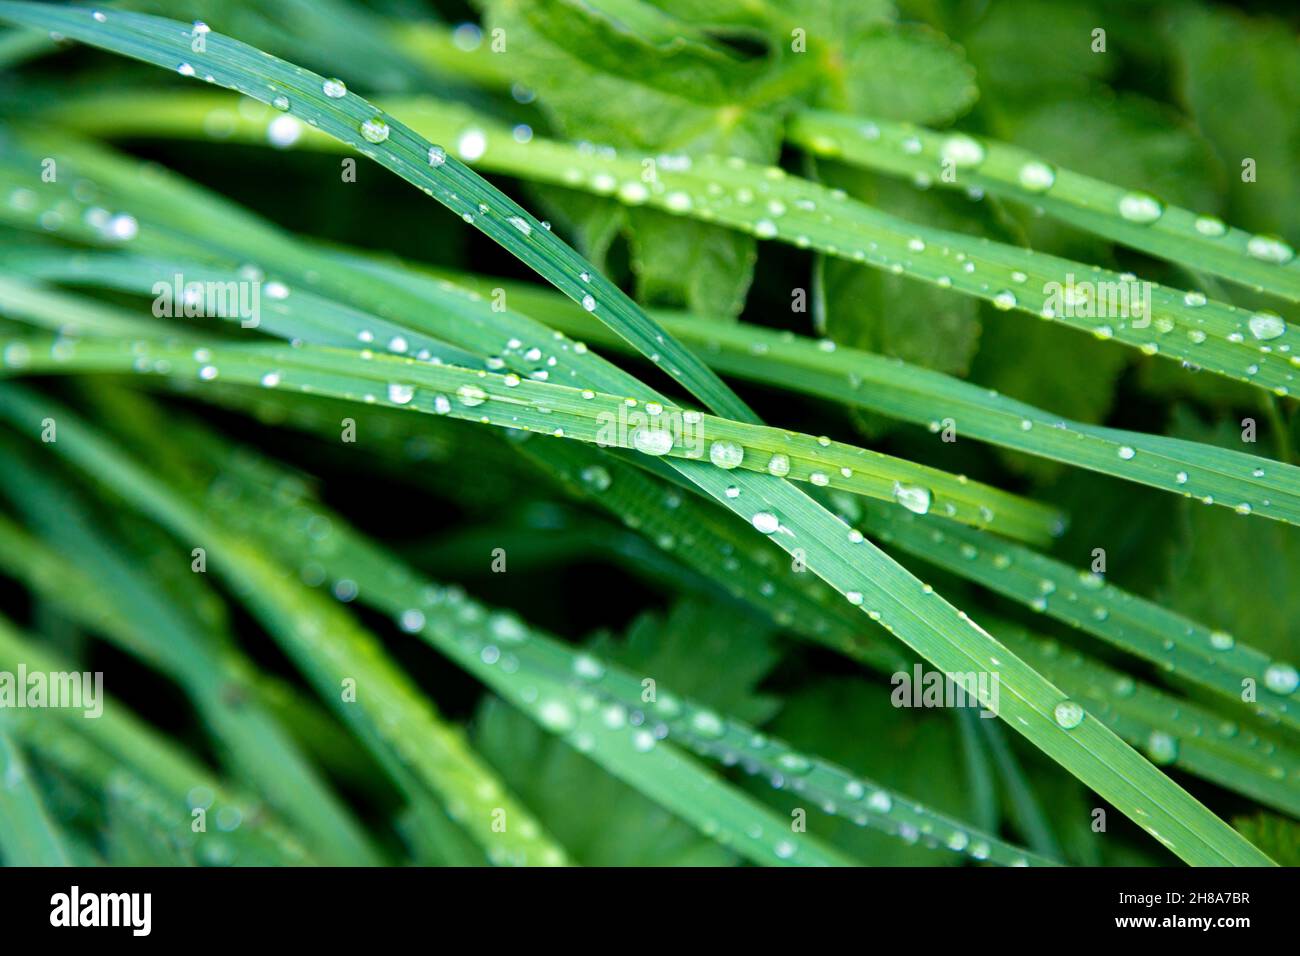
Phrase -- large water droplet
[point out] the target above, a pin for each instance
(1068, 714)
(652, 441)
(1266, 325)
(912, 497)
(374, 130)
(471, 395)
(400, 393)
(779, 465)
(1140, 207)
(766, 522)
(1270, 249)
(334, 88)
(726, 454)
(1162, 748)
(1281, 678)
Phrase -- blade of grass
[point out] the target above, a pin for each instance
(118, 752)
(352, 120)
(400, 725)
(456, 620)
(1257, 348)
(1205, 243)
(28, 837)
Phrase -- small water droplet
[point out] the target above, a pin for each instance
(766, 522)
(1004, 300)
(400, 394)
(779, 465)
(334, 88)
(1211, 226)
(1126, 452)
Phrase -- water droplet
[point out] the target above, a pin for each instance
(587, 667)
(766, 522)
(652, 441)
(400, 394)
(522, 224)
(794, 763)
(597, 477)
(962, 150)
(280, 102)
(912, 497)
(556, 716)
(471, 395)
(880, 801)
(1266, 325)
(726, 454)
(1036, 177)
(1194, 300)
(1281, 678)
(1140, 207)
(184, 69)
(1270, 249)
(1126, 452)
(334, 88)
(1211, 226)
(1004, 300)
(589, 303)
(374, 130)
(1221, 640)
(765, 229)
(1068, 714)
(707, 724)
(677, 201)
(779, 465)
(1162, 748)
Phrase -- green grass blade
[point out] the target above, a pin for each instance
(400, 725)
(99, 587)
(28, 837)
(1257, 348)
(463, 629)
(352, 120)
(508, 401)
(117, 751)
(1205, 243)
(1184, 648)
(1244, 482)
